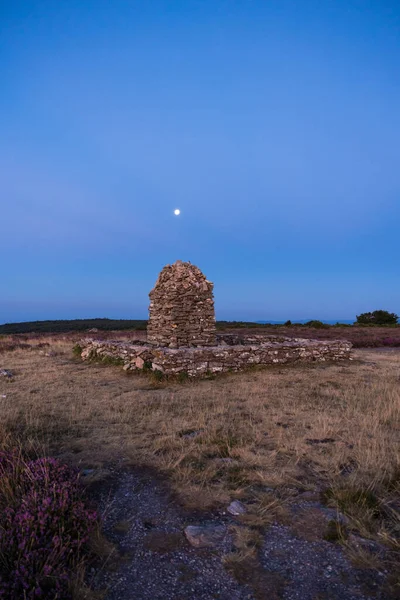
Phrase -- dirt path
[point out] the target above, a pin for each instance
(158, 563)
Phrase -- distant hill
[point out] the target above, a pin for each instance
(64, 326)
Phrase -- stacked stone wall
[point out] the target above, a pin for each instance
(181, 312)
(218, 359)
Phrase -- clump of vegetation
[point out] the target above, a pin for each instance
(377, 317)
(158, 375)
(77, 350)
(183, 376)
(317, 324)
(44, 527)
(335, 532)
(350, 499)
(108, 359)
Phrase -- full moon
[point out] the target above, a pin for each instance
(177, 212)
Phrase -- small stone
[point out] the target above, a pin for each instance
(333, 515)
(86, 472)
(127, 367)
(6, 373)
(191, 433)
(202, 536)
(236, 508)
(139, 362)
(369, 544)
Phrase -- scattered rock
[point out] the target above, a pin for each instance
(139, 362)
(370, 545)
(333, 515)
(236, 508)
(191, 433)
(202, 536)
(6, 373)
(86, 472)
(347, 468)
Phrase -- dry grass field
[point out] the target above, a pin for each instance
(263, 436)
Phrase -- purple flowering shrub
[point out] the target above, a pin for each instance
(44, 527)
(392, 342)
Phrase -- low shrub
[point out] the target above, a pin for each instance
(107, 359)
(158, 375)
(147, 366)
(44, 527)
(391, 342)
(378, 317)
(317, 324)
(77, 349)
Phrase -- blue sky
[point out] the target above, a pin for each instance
(273, 125)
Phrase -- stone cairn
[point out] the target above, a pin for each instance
(181, 312)
(181, 335)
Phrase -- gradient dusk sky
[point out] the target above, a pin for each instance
(274, 126)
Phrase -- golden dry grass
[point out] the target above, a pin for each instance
(307, 427)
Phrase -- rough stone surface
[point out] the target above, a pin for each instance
(181, 311)
(236, 508)
(203, 536)
(216, 359)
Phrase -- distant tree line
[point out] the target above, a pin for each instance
(377, 317)
(64, 326)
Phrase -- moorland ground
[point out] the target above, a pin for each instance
(359, 336)
(264, 436)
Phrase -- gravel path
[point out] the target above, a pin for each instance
(313, 570)
(158, 563)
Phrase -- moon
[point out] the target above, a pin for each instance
(177, 212)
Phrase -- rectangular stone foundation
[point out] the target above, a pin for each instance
(216, 359)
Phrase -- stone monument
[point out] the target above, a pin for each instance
(181, 311)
